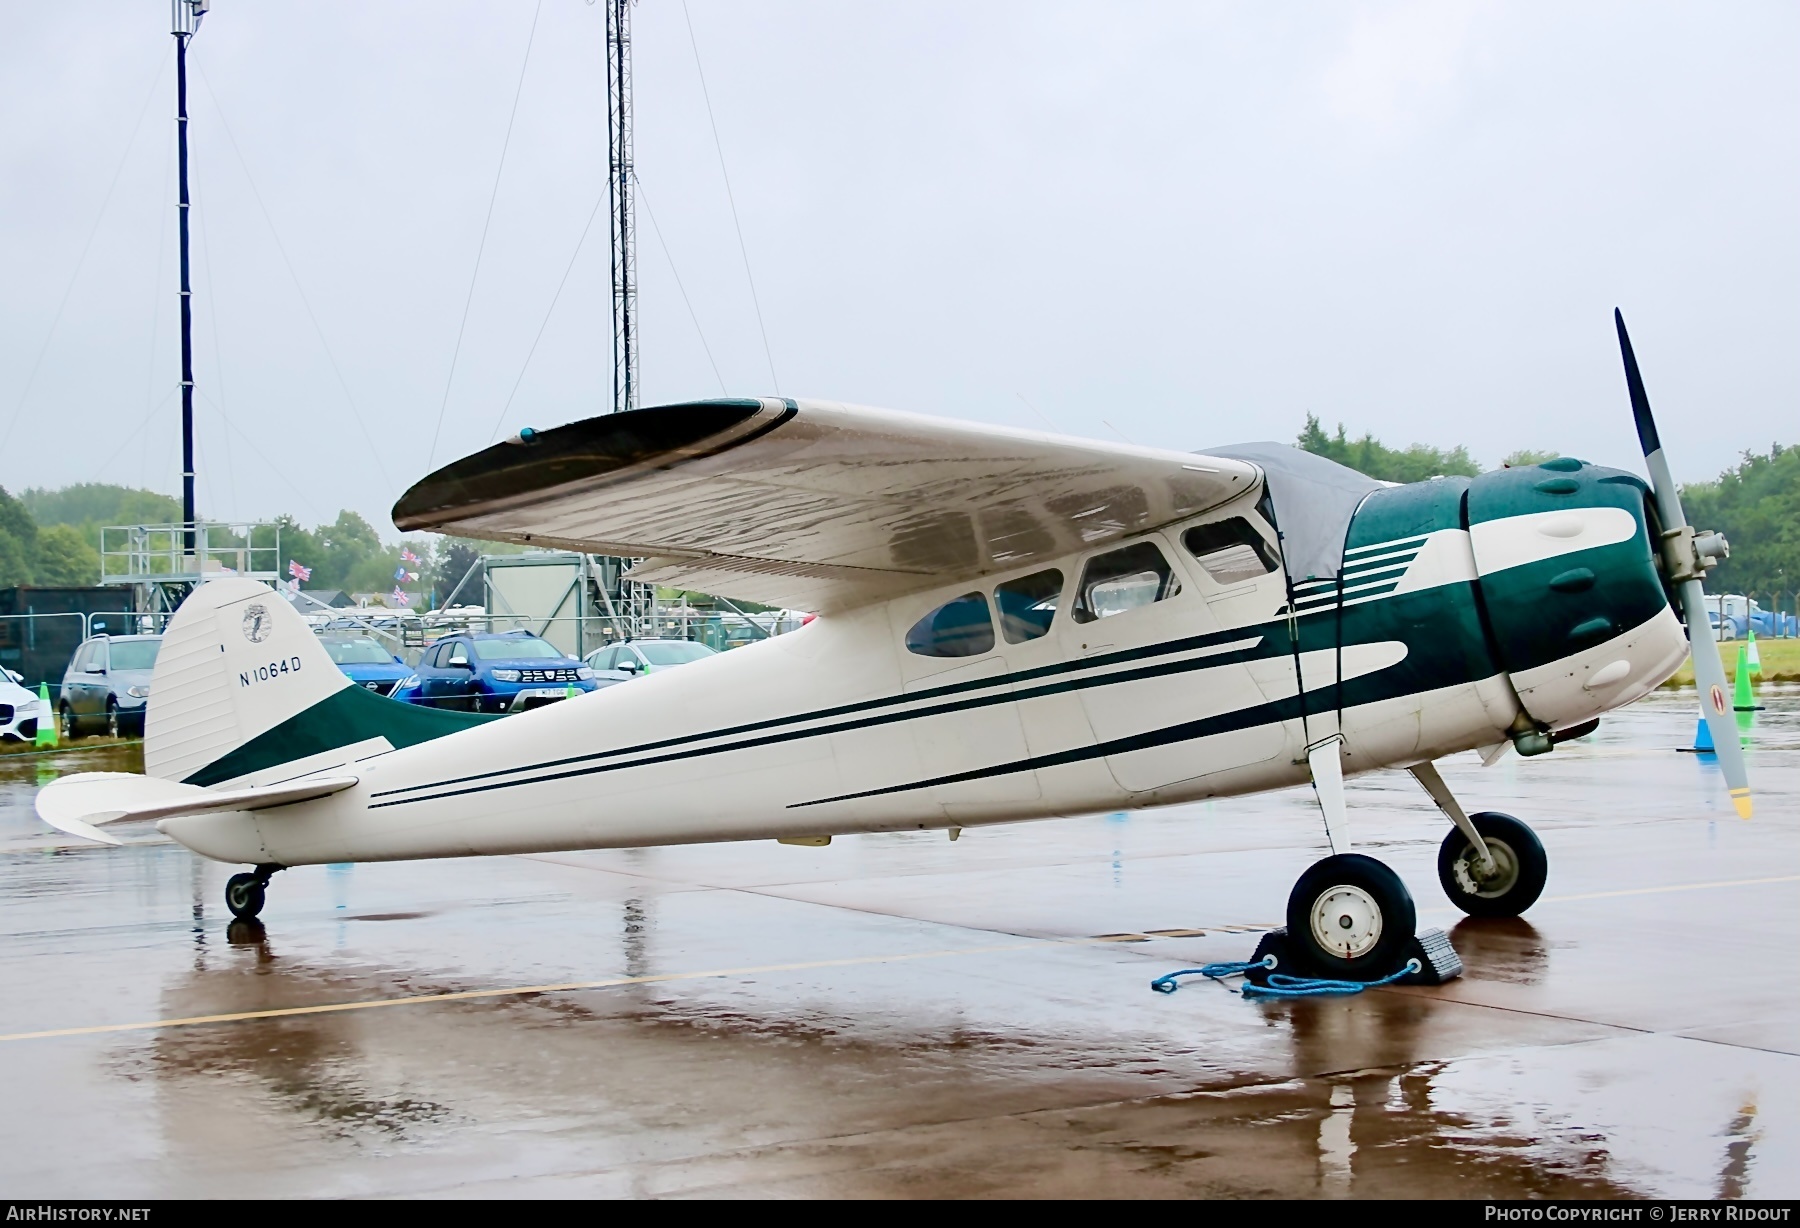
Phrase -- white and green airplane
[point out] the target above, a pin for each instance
(1011, 626)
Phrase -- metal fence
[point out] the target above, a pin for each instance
(1774, 617)
(37, 647)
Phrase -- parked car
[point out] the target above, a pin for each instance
(365, 662)
(20, 709)
(635, 658)
(495, 672)
(107, 685)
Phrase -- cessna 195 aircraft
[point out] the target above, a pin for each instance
(1011, 626)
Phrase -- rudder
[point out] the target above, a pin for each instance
(244, 694)
(236, 662)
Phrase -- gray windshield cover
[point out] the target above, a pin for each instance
(1314, 500)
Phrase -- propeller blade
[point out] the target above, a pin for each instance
(1709, 676)
(1662, 484)
(1709, 672)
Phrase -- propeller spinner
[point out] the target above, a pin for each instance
(1687, 556)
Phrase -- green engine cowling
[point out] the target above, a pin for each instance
(1570, 589)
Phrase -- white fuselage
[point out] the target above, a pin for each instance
(838, 728)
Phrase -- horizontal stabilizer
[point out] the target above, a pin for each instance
(79, 804)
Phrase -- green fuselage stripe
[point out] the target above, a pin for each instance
(344, 717)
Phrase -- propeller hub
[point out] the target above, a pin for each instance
(1689, 555)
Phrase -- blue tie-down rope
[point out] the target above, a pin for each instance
(1280, 984)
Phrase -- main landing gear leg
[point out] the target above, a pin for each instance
(1349, 917)
(1491, 865)
(244, 892)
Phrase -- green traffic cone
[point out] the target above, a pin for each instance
(1755, 656)
(1743, 697)
(46, 726)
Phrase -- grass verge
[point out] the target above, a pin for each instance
(1780, 662)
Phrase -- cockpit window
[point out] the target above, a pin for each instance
(1122, 580)
(1027, 605)
(959, 628)
(1230, 550)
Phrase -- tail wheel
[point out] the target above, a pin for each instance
(244, 895)
(1351, 916)
(1516, 878)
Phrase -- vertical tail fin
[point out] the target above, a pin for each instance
(244, 693)
(236, 663)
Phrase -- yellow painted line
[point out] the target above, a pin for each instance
(470, 995)
(1612, 895)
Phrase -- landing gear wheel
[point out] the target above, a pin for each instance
(1351, 917)
(1515, 882)
(244, 895)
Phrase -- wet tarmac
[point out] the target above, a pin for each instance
(907, 1016)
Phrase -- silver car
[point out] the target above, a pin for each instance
(107, 685)
(635, 658)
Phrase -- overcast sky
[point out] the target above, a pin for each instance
(1183, 224)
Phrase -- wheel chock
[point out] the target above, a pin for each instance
(1438, 961)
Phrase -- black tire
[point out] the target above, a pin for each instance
(1523, 867)
(244, 896)
(1371, 898)
(112, 719)
(71, 725)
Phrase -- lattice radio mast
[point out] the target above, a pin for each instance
(185, 17)
(622, 200)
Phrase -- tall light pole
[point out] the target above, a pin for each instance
(620, 196)
(185, 17)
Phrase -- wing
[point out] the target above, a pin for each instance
(812, 505)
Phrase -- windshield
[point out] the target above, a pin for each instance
(357, 650)
(135, 654)
(516, 648)
(673, 654)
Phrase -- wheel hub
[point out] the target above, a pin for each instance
(1496, 882)
(1346, 921)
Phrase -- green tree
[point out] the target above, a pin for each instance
(1526, 456)
(340, 549)
(452, 563)
(1756, 505)
(15, 561)
(1369, 455)
(64, 559)
(89, 506)
(18, 542)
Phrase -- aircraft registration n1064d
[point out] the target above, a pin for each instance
(1012, 626)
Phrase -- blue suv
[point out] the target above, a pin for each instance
(489, 672)
(365, 662)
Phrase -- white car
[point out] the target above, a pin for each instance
(20, 709)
